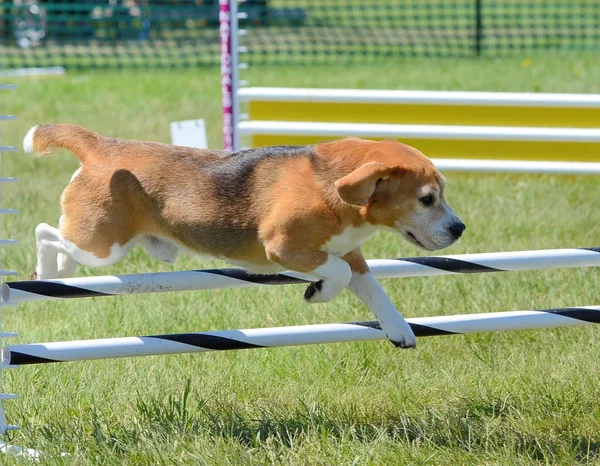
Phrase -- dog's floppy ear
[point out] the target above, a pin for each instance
(357, 187)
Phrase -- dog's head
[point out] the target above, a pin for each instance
(402, 190)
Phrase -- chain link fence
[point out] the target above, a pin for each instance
(184, 33)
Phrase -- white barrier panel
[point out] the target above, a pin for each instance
(517, 166)
(438, 132)
(376, 96)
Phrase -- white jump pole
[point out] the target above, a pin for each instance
(517, 166)
(439, 132)
(83, 350)
(5, 427)
(412, 97)
(85, 287)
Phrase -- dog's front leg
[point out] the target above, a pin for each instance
(333, 273)
(366, 288)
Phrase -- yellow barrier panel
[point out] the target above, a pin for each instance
(469, 149)
(468, 115)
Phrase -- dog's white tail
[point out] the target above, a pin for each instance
(42, 139)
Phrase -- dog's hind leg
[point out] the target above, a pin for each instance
(66, 266)
(48, 246)
(51, 243)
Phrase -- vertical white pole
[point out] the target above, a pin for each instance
(4, 427)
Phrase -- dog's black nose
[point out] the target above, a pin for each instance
(456, 229)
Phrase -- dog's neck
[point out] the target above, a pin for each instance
(330, 167)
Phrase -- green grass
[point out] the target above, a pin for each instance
(499, 398)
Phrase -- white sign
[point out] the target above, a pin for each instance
(189, 133)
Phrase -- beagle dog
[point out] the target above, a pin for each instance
(270, 209)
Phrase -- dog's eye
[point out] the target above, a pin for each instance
(427, 200)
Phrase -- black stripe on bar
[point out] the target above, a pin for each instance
(590, 249)
(579, 313)
(22, 359)
(59, 290)
(370, 323)
(425, 331)
(418, 329)
(450, 265)
(241, 274)
(203, 340)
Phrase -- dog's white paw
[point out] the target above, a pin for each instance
(323, 291)
(400, 334)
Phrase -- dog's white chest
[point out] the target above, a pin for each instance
(347, 240)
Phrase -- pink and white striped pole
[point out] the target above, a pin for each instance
(229, 72)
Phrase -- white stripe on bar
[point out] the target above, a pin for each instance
(518, 166)
(444, 132)
(496, 99)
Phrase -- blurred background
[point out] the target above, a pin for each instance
(80, 34)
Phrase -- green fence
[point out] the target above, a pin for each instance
(184, 33)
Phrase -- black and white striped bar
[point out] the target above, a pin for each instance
(87, 287)
(83, 350)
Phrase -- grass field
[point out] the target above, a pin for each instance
(526, 397)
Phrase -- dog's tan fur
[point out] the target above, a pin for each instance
(280, 209)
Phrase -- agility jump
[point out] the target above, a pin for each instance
(460, 131)
(79, 350)
(201, 342)
(105, 286)
(445, 125)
